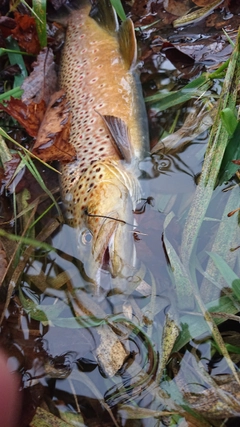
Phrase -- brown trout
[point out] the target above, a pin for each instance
(109, 131)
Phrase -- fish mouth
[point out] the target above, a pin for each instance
(103, 248)
(106, 260)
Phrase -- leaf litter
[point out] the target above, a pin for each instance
(138, 380)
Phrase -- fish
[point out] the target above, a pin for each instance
(109, 131)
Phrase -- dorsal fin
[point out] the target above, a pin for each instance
(104, 14)
(128, 43)
(120, 136)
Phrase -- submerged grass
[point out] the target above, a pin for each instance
(213, 158)
(208, 309)
(197, 88)
(185, 266)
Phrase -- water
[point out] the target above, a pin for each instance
(63, 360)
(57, 354)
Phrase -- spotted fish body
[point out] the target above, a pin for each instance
(100, 188)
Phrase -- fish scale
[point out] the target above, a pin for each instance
(100, 83)
(91, 94)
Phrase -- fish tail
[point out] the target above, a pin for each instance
(105, 15)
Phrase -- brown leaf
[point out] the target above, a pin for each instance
(10, 180)
(7, 25)
(177, 7)
(10, 71)
(10, 167)
(52, 140)
(29, 116)
(176, 57)
(26, 34)
(42, 82)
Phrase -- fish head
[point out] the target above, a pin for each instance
(105, 232)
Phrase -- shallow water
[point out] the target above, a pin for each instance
(68, 367)
(56, 353)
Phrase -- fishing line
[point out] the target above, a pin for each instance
(108, 217)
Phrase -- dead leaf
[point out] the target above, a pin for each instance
(29, 116)
(6, 26)
(10, 181)
(25, 33)
(42, 82)
(10, 71)
(52, 140)
(179, 59)
(177, 7)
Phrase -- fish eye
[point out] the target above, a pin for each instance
(86, 237)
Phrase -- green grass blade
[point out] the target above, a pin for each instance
(226, 237)
(229, 120)
(5, 135)
(31, 10)
(26, 241)
(193, 89)
(16, 58)
(119, 9)
(32, 168)
(178, 272)
(216, 147)
(231, 278)
(4, 51)
(39, 8)
(224, 268)
(15, 93)
(194, 325)
(228, 168)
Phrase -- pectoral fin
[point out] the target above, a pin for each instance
(119, 132)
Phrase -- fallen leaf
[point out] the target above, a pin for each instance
(6, 26)
(141, 8)
(177, 7)
(52, 140)
(28, 115)
(10, 71)
(9, 171)
(25, 33)
(179, 59)
(42, 82)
